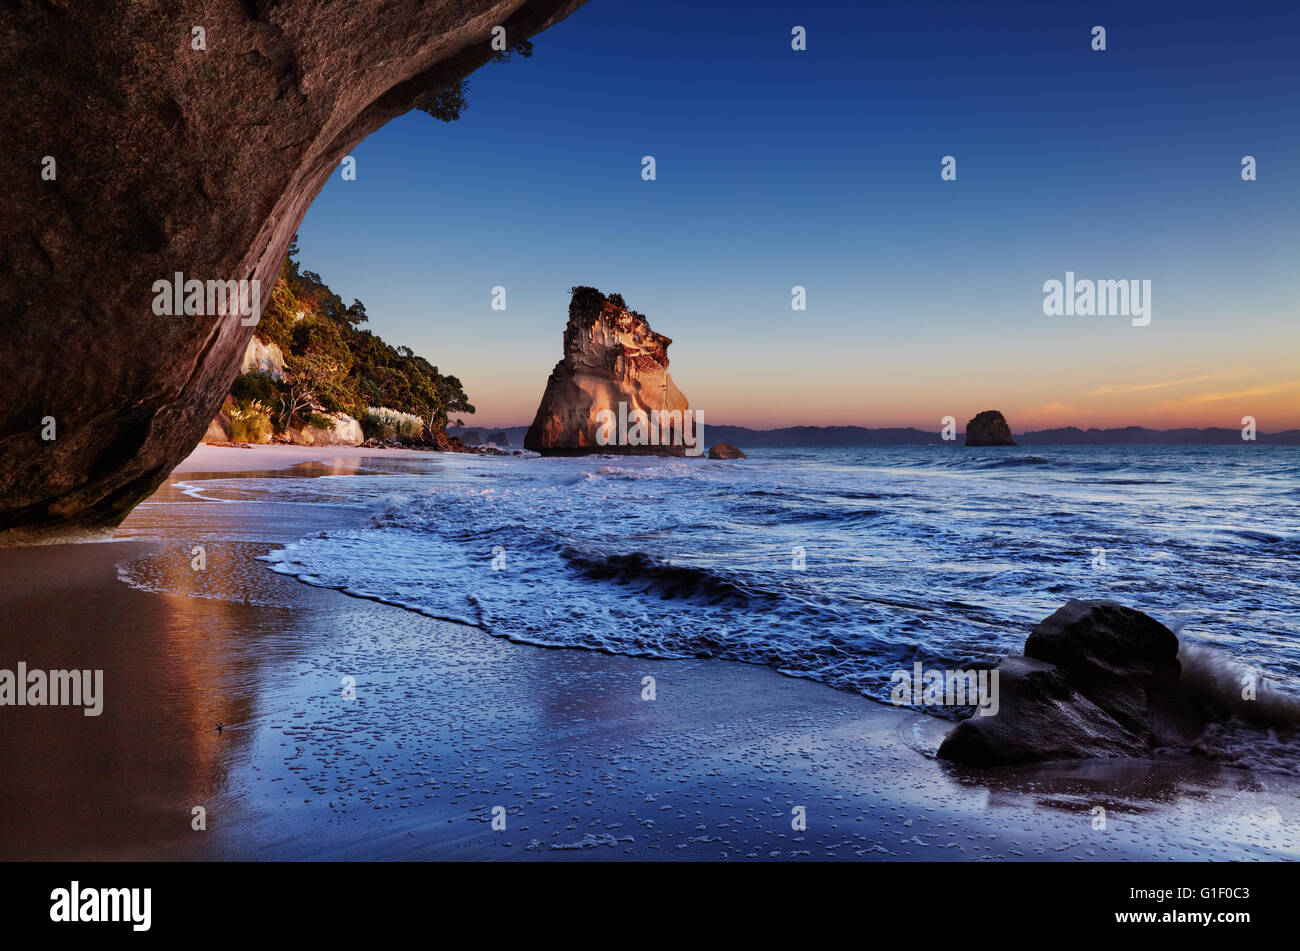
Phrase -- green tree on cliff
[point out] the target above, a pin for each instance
(333, 364)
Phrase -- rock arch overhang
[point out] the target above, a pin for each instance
(170, 159)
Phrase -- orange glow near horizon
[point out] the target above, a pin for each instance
(1186, 370)
(1217, 399)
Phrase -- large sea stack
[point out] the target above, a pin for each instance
(611, 357)
(989, 428)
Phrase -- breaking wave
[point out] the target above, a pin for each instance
(840, 565)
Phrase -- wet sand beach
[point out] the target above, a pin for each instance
(450, 725)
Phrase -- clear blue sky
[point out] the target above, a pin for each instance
(821, 168)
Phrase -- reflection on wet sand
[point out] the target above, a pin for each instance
(1240, 804)
(312, 468)
(1138, 783)
(125, 781)
(190, 652)
(449, 722)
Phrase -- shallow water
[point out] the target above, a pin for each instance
(840, 565)
(448, 722)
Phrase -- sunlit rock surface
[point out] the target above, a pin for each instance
(612, 362)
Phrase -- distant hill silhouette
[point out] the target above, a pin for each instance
(1137, 436)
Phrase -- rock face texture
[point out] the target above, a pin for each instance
(1096, 679)
(130, 156)
(725, 450)
(219, 429)
(611, 357)
(1126, 663)
(262, 357)
(1040, 716)
(344, 431)
(989, 428)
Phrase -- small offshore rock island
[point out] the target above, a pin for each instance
(613, 365)
(989, 428)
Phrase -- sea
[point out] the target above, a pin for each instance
(839, 565)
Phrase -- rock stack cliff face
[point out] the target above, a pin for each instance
(151, 138)
(611, 357)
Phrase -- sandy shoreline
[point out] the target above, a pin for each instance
(449, 723)
(216, 459)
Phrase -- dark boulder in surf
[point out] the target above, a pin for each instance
(989, 428)
(1096, 679)
(725, 450)
(1125, 662)
(1039, 716)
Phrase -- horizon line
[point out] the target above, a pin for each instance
(1048, 429)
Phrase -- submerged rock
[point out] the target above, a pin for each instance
(725, 450)
(612, 362)
(989, 428)
(1096, 679)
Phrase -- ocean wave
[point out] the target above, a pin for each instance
(1128, 481)
(650, 575)
(841, 515)
(1014, 461)
(1234, 689)
(1267, 538)
(950, 560)
(1258, 722)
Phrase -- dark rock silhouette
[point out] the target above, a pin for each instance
(725, 450)
(989, 428)
(170, 159)
(500, 438)
(1040, 716)
(1096, 679)
(1125, 662)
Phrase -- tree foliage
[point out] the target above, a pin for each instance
(333, 364)
(447, 103)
